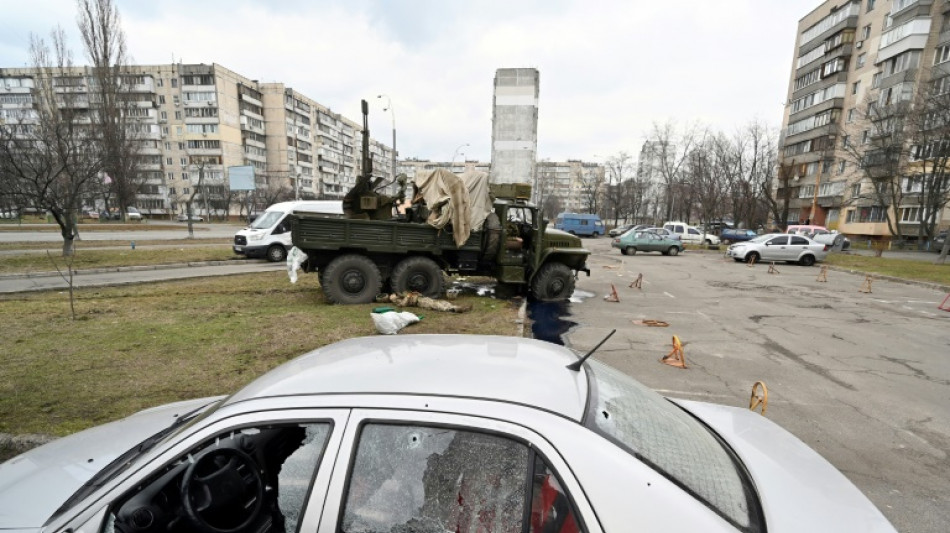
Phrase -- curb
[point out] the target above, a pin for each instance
(136, 268)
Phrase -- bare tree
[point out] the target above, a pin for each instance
(591, 182)
(104, 42)
(50, 157)
(617, 170)
(751, 185)
(670, 150)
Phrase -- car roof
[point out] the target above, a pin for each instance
(507, 369)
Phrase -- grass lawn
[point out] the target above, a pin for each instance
(901, 268)
(138, 346)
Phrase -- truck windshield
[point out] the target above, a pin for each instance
(267, 220)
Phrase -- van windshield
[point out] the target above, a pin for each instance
(267, 220)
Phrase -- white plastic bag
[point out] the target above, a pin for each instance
(390, 322)
(295, 258)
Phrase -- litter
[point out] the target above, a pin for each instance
(390, 322)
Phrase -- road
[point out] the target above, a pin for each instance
(862, 378)
(88, 232)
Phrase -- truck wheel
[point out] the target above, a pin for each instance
(418, 274)
(276, 253)
(351, 279)
(553, 283)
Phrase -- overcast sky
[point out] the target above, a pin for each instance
(608, 69)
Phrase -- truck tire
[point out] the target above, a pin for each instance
(418, 274)
(553, 283)
(276, 253)
(351, 279)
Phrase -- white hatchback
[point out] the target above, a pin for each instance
(779, 247)
(428, 434)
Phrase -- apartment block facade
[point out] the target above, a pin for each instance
(851, 55)
(202, 119)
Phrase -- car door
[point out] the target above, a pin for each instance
(776, 249)
(796, 247)
(430, 471)
(262, 470)
(653, 243)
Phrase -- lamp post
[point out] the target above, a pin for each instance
(392, 112)
(457, 151)
(296, 183)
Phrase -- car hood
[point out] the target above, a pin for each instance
(35, 484)
(799, 489)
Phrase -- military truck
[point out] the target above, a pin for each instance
(371, 250)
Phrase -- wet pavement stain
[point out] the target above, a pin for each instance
(551, 320)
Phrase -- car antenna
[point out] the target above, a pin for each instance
(576, 365)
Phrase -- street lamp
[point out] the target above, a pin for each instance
(296, 183)
(392, 112)
(457, 151)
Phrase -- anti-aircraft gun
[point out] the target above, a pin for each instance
(364, 201)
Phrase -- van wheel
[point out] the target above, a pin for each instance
(553, 283)
(276, 253)
(807, 260)
(418, 274)
(351, 279)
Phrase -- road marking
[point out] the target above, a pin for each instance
(670, 295)
(700, 313)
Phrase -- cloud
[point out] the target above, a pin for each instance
(608, 69)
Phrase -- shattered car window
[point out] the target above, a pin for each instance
(672, 442)
(426, 479)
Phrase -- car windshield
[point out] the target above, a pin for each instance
(672, 442)
(267, 220)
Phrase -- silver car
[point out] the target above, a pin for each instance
(779, 247)
(434, 433)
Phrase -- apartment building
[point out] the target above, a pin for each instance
(199, 120)
(854, 58)
(514, 125)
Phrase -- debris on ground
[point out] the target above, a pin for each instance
(390, 322)
(414, 299)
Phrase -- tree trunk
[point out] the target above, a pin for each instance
(942, 258)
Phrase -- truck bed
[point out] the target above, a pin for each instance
(314, 232)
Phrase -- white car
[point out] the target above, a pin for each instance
(779, 247)
(184, 218)
(434, 433)
(689, 234)
(133, 213)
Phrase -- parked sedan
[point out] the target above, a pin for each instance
(646, 241)
(184, 218)
(434, 433)
(779, 247)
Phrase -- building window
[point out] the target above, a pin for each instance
(160, 82)
(174, 82)
(846, 141)
(177, 115)
(851, 115)
(855, 189)
(855, 86)
(870, 4)
(865, 136)
(942, 54)
(181, 146)
(184, 190)
(184, 160)
(867, 31)
(861, 60)
(876, 80)
(171, 176)
(161, 99)
(168, 145)
(842, 165)
(163, 115)
(168, 161)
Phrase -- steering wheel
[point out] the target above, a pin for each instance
(222, 491)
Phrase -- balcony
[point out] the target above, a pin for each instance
(252, 100)
(911, 35)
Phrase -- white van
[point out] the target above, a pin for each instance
(690, 234)
(269, 235)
